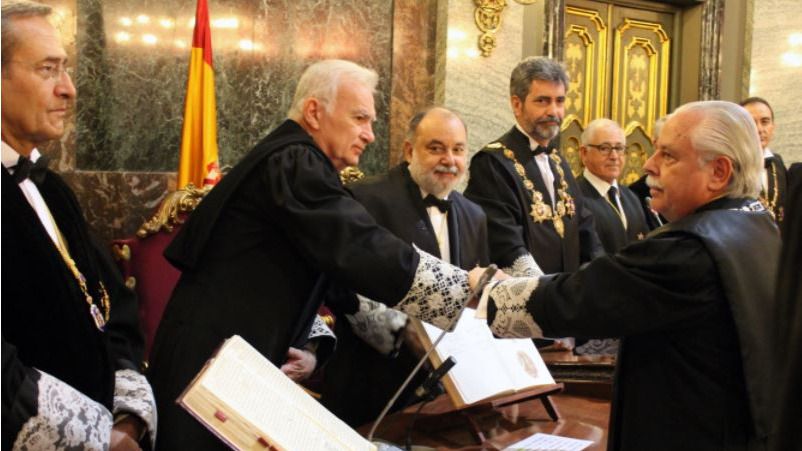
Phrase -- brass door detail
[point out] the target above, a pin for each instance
(618, 61)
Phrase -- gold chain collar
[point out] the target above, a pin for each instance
(540, 210)
(776, 211)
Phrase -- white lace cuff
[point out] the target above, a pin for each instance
(378, 325)
(437, 293)
(513, 320)
(524, 266)
(321, 330)
(65, 419)
(132, 394)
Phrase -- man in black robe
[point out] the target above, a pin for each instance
(261, 249)
(694, 307)
(535, 213)
(71, 342)
(415, 201)
(774, 179)
(534, 208)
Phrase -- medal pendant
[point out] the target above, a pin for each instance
(100, 323)
(559, 226)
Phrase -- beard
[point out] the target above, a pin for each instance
(542, 132)
(428, 181)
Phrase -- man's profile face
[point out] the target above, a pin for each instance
(761, 114)
(542, 112)
(37, 93)
(437, 157)
(606, 167)
(678, 183)
(346, 127)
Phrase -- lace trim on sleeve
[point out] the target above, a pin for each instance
(524, 266)
(378, 325)
(132, 394)
(66, 419)
(513, 320)
(437, 292)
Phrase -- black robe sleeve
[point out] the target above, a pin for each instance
(495, 193)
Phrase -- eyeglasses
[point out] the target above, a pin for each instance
(605, 149)
(48, 70)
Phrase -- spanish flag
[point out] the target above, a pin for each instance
(198, 162)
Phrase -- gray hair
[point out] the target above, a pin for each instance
(322, 79)
(726, 129)
(414, 122)
(535, 68)
(17, 9)
(596, 125)
(658, 127)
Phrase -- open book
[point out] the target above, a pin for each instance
(250, 404)
(487, 367)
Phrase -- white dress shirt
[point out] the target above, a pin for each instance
(31, 192)
(542, 161)
(603, 187)
(439, 222)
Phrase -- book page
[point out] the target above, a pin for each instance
(487, 366)
(523, 363)
(253, 387)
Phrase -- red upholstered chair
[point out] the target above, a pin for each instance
(143, 266)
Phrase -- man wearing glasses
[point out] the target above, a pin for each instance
(616, 210)
(71, 341)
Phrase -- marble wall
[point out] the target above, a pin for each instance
(121, 146)
(776, 63)
(475, 86)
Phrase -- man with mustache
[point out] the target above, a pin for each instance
(535, 213)
(71, 344)
(775, 178)
(415, 201)
(693, 303)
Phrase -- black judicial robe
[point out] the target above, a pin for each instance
(45, 317)
(253, 256)
(498, 189)
(789, 305)
(696, 312)
(359, 381)
(608, 224)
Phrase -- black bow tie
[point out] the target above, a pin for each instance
(442, 204)
(541, 149)
(25, 169)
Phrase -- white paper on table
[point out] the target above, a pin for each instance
(548, 442)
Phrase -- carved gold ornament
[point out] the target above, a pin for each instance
(487, 16)
(180, 201)
(351, 174)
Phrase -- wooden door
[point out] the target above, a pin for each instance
(618, 59)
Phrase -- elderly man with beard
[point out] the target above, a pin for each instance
(535, 213)
(416, 202)
(694, 306)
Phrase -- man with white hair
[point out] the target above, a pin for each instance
(260, 250)
(617, 214)
(694, 307)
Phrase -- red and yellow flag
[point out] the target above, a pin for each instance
(198, 161)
